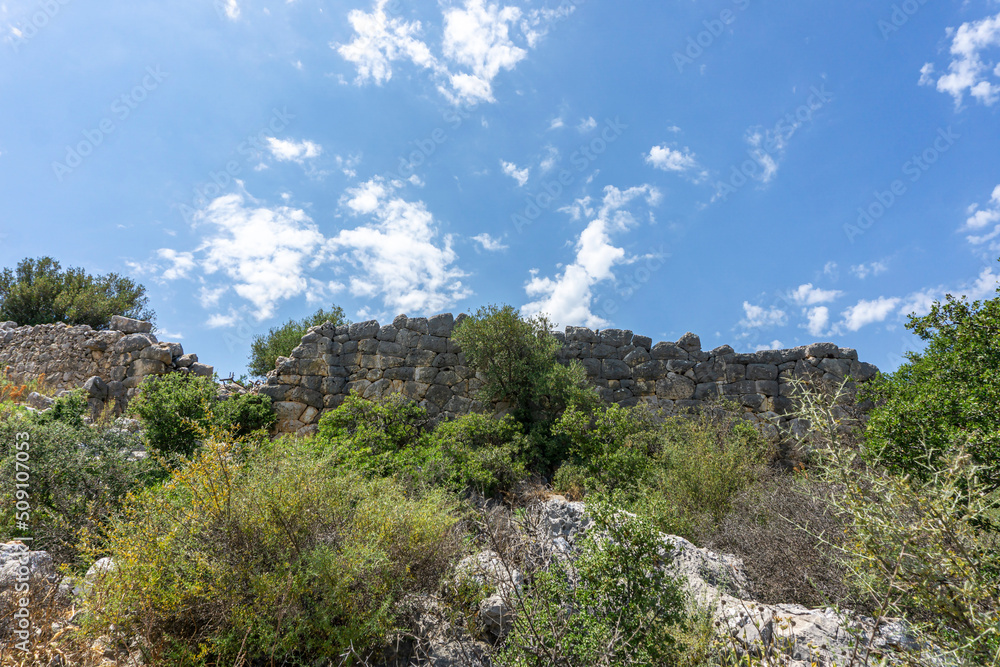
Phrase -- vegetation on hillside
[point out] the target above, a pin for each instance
(40, 291)
(232, 548)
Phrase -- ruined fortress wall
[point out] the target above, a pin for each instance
(416, 356)
(66, 357)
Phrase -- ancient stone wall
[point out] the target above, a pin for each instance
(67, 357)
(416, 356)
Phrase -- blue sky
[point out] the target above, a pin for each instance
(760, 174)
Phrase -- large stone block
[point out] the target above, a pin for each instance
(616, 337)
(418, 358)
(361, 330)
(277, 392)
(441, 325)
(664, 351)
(418, 324)
(435, 343)
(387, 333)
(675, 387)
(762, 372)
(143, 367)
(690, 342)
(581, 334)
(439, 395)
(129, 326)
(822, 350)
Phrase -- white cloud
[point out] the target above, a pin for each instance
(862, 271)
(807, 295)
(557, 123)
(519, 175)
(967, 72)
(586, 124)
(163, 334)
(209, 296)
(289, 151)
(819, 318)
(567, 298)
(830, 269)
(231, 9)
(984, 222)
(477, 37)
(218, 320)
(866, 312)
(668, 159)
(757, 316)
(381, 40)
(181, 263)
(773, 345)
(488, 242)
(476, 45)
(763, 144)
(397, 256)
(550, 159)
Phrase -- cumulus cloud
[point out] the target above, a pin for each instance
(586, 124)
(983, 224)
(807, 295)
(476, 45)
(379, 41)
(862, 271)
(672, 159)
(773, 345)
(818, 319)
(866, 312)
(289, 151)
(567, 298)
(399, 254)
(489, 243)
(968, 72)
(265, 252)
(230, 8)
(756, 317)
(519, 175)
(181, 263)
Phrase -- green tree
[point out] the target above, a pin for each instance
(39, 291)
(280, 341)
(518, 360)
(945, 398)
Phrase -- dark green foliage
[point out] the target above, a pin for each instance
(280, 341)
(40, 292)
(518, 359)
(245, 414)
(615, 605)
(943, 398)
(393, 438)
(68, 409)
(78, 476)
(177, 411)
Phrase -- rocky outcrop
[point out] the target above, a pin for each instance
(110, 364)
(805, 637)
(416, 356)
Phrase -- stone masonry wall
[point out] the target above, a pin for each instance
(415, 356)
(71, 356)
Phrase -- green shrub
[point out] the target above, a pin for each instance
(614, 605)
(610, 449)
(944, 398)
(178, 410)
(517, 358)
(245, 414)
(174, 410)
(474, 452)
(280, 341)
(40, 292)
(279, 557)
(69, 409)
(393, 437)
(77, 478)
(923, 545)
